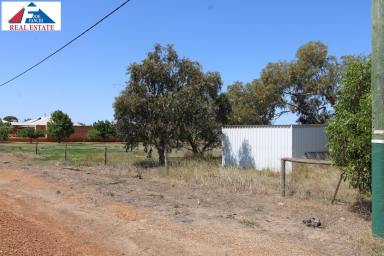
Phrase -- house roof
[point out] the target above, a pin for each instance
(37, 121)
(32, 122)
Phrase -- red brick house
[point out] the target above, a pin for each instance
(80, 134)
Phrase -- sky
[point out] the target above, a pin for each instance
(235, 38)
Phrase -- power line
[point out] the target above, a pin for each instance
(67, 44)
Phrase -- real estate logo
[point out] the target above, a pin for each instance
(31, 16)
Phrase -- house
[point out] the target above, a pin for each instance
(262, 147)
(80, 130)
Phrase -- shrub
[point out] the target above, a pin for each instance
(30, 133)
(349, 131)
(4, 131)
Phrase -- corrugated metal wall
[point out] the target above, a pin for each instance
(308, 139)
(260, 147)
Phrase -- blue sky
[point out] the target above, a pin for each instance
(236, 38)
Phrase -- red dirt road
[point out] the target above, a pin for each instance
(23, 233)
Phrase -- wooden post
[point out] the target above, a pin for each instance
(337, 188)
(297, 160)
(166, 162)
(105, 155)
(65, 152)
(36, 150)
(282, 178)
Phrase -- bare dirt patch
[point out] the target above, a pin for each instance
(125, 212)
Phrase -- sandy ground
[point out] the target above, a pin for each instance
(56, 211)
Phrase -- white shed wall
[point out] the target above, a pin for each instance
(308, 139)
(260, 147)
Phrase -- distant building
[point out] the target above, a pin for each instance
(262, 147)
(80, 133)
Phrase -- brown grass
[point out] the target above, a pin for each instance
(305, 182)
(319, 182)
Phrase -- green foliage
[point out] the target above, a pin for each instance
(30, 133)
(168, 101)
(10, 119)
(60, 126)
(102, 129)
(200, 112)
(307, 85)
(252, 103)
(4, 131)
(349, 131)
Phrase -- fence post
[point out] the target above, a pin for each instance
(36, 150)
(166, 162)
(337, 188)
(65, 152)
(105, 155)
(282, 178)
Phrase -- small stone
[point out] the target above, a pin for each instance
(312, 222)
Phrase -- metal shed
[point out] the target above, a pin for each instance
(262, 147)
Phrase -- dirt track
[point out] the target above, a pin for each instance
(51, 211)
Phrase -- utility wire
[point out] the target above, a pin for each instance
(67, 44)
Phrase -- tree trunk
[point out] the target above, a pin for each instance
(161, 152)
(195, 150)
(194, 147)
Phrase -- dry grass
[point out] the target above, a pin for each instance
(305, 182)
(319, 182)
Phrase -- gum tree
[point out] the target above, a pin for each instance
(169, 102)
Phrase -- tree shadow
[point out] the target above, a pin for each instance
(228, 158)
(146, 164)
(246, 159)
(363, 208)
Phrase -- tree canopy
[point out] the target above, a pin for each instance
(10, 119)
(201, 111)
(60, 126)
(308, 84)
(349, 130)
(252, 103)
(170, 101)
(305, 86)
(102, 129)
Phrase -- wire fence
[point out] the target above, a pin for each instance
(77, 153)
